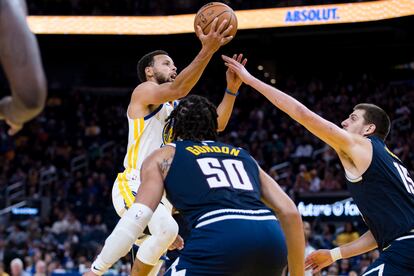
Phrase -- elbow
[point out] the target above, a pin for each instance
(290, 214)
(221, 127)
(302, 112)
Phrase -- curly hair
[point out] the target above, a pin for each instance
(195, 118)
(145, 61)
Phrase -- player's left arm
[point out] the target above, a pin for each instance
(225, 108)
(322, 258)
(132, 224)
(290, 220)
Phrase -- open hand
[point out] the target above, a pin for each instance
(216, 37)
(318, 260)
(237, 68)
(233, 80)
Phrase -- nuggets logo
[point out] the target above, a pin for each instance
(167, 133)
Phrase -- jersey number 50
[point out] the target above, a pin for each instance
(225, 173)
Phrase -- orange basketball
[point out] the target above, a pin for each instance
(208, 12)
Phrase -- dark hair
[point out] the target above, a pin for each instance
(377, 116)
(195, 118)
(147, 60)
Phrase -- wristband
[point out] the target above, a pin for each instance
(232, 93)
(336, 254)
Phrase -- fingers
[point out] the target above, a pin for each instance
(244, 62)
(231, 67)
(239, 58)
(227, 31)
(14, 128)
(229, 60)
(226, 40)
(221, 27)
(213, 25)
(199, 31)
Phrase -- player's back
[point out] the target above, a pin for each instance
(212, 176)
(217, 189)
(385, 195)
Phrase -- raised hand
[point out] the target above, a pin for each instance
(14, 127)
(238, 68)
(318, 260)
(233, 80)
(216, 37)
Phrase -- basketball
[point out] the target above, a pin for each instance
(208, 12)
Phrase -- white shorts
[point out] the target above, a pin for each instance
(125, 189)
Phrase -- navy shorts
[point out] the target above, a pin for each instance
(395, 260)
(233, 247)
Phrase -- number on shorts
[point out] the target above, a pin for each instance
(227, 173)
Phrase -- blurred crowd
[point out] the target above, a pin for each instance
(76, 209)
(158, 7)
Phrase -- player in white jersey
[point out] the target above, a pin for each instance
(151, 103)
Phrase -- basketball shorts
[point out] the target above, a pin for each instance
(125, 189)
(395, 260)
(233, 247)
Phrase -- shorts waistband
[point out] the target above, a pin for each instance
(241, 214)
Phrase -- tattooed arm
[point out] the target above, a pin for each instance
(153, 172)
(20, 58)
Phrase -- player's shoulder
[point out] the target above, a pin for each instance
(144, 86)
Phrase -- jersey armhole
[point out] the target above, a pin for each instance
(171, 145)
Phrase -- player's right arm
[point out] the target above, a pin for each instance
(322, 258)
(20, 57)
(336, 137)
(153, 94)
(290, 220)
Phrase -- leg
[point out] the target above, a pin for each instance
(164, 231)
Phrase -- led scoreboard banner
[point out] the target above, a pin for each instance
(247, 19)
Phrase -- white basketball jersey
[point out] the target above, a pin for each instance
(146, 135)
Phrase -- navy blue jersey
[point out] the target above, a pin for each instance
(216, 187)
(216, 176)
(385, 195)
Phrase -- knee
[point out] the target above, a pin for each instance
(168, 230)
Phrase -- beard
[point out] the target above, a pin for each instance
(161, 78)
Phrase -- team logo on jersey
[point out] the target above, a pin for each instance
(167, 133)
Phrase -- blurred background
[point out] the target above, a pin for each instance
(56, 175)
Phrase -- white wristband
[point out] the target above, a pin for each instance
(336, 254)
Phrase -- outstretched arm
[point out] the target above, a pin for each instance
(157, 94)
(290, 221)
(330, 133)
(20, 57)
(225, 108)
(322, 258)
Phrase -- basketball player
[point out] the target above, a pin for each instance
(379, 183)
(218, 189)
(151, 103)
(20, 57)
